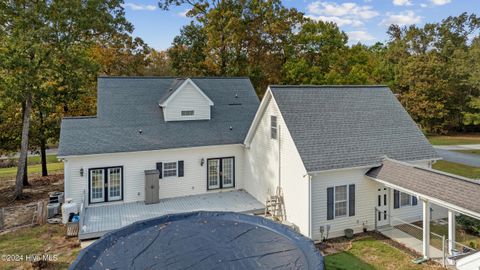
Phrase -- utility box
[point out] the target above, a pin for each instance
(152, 186)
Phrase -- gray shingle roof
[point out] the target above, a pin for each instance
(349, 126)
(445, 187)
(174, 87)
(129, 104)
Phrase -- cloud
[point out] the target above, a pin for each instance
(423, 5)
(440, 2)
(183, 13)
(342, 14)
(402, 2)
(137, 7)
(402, 18)
(360, 36)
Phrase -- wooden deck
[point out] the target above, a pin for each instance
(99, 220)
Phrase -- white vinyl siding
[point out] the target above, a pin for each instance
(365, 201)
(135, 163)
(262, 168)
(187, 100)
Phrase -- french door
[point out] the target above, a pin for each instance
(220, 173)
(105, 184)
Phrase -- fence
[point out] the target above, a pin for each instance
(13, 217)
(410, 234)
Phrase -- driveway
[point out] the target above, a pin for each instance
(457, 157)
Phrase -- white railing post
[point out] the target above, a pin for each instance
(443, 251)
(451, 231)
(426, 229)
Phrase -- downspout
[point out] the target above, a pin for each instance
(279, 159)
(310, 226)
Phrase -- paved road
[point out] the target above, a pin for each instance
(457, 157)
(458, 147)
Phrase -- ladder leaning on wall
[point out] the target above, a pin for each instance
(275, 207)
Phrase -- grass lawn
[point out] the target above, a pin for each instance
(452, 140)
(456, 168)
(346, 260)
(32, 169)
(46, 239)
(370, 253)
(460, 236)
(474, 152)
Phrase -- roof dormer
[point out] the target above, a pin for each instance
(185, 101)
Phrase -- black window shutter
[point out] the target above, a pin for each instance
(414, 200)
(330, 203)
(160, 169)
(396, 199)
(180, 168)
(351, 200)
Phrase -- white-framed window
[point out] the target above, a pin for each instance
(273, 127)
(340, 201)
(405, 199)
(169, 169)
(188, 113)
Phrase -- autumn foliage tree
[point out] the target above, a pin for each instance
(43, 56)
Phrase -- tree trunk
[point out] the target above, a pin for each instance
(22, 161)
(25, 172)
(43, 146)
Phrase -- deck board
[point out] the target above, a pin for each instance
(105, 218)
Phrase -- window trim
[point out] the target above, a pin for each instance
(346, 201)
(105, 180)
(220, 178)
(273, 127)
(187, 111)
(400, 195)
(163, 169)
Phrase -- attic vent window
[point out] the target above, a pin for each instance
(188, 113)
(273, 127)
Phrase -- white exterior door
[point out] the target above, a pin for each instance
(213, 168)
(382, 214)
(227, 172)
(97, 185)
(114, 184)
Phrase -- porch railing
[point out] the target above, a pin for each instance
(82, 211)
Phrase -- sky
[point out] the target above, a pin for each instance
(364, 21)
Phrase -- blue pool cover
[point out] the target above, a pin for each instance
(201, 240)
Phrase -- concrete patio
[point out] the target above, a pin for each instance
(99, 220)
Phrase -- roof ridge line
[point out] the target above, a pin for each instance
(170, 77)
(327, 86)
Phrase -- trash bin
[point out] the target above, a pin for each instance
(348, 233)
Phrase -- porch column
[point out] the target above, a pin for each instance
(451, 231)
(426, 228)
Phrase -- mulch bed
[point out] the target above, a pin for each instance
(39, 189)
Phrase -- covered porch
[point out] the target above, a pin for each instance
(457, 194)
(98, 220)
